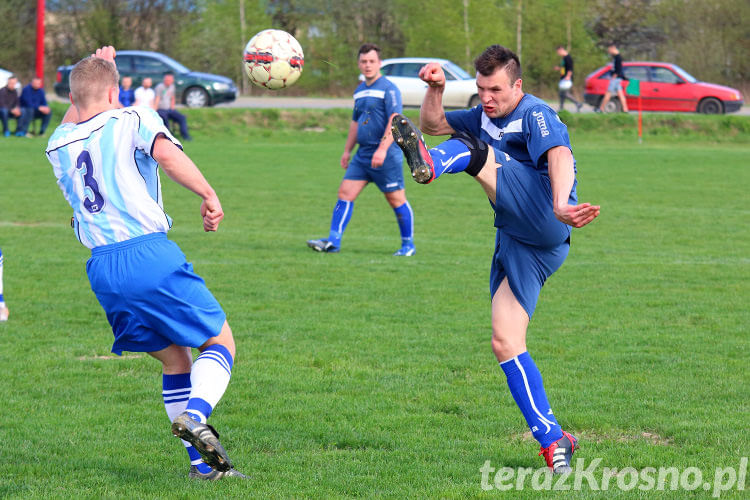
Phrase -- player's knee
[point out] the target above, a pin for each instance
(506, 348)
(478, 149)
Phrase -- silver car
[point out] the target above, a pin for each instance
(460, 87)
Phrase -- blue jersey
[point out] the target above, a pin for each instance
(106, 172)
(526, 134)
(373, 106)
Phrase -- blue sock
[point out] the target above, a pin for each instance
(175, 392)
(526, 386)
(342, 212)
(451, 156)
(405, 218)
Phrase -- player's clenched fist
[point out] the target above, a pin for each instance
(433, 75)
(107, 53)
(212, 214)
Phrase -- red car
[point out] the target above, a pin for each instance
(664, 87)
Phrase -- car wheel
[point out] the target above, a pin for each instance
(613, 106)
(474, 101)
(711, 106)
(196, 97)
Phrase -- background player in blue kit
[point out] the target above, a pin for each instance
(377, 159)
(528, 174)
(105, 160)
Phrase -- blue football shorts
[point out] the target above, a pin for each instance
(531, 243)
(152, 296)
(388, 177)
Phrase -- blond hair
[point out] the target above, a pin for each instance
(90, 79)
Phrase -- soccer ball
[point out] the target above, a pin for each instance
(273, 59)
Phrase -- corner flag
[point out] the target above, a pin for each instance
(634, 89)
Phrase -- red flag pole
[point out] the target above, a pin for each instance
(40, 38)
(640, 119)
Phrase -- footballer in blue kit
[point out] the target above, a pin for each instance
(519, 151)
(377, 159)
(106, 160)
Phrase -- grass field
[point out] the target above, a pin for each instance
(361, 374)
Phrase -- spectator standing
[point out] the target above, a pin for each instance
(9, 104)
(33, 105)
(165, 101)
(127, 93)
(615, 82)
(144, 95)
(565, 85)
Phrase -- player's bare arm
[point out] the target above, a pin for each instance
(562, 176)
(432, 115)
(181, 169)
(351, 140)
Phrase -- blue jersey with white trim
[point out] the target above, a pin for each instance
(106, 172)
(373, 106)
(526, 134)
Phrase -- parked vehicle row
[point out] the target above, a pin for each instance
(663, 86)
(194, 89)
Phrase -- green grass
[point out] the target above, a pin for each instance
(360, 374)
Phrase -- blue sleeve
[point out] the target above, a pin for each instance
(543, 131)
(465, 120)
(392, 101)
(44, 99)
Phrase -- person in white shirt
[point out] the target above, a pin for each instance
(145, 95)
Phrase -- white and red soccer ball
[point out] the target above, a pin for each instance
(273, 59)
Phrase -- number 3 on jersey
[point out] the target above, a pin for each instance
(93, 200)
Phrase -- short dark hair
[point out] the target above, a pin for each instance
(367, 47)
(560, 47)
(497, 57)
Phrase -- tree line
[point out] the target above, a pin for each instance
(711, 40)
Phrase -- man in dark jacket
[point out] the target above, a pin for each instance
(9, 104)
(33, 106)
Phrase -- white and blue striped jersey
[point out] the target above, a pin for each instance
(105, 170)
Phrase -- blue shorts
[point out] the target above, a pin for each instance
(526, 267)
(531, 243)
(151, 295)
(388, 177)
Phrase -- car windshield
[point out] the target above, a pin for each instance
(458, 71)
(684, 74)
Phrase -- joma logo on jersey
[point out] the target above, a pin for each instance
(540, 121)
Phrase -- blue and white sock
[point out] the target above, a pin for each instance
(450, 157)
(209, 377)
(342, 213)
(526, 386)
(176, 391)
(405, 218)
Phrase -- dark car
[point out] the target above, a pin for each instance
(664, 87)
(193, 89)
